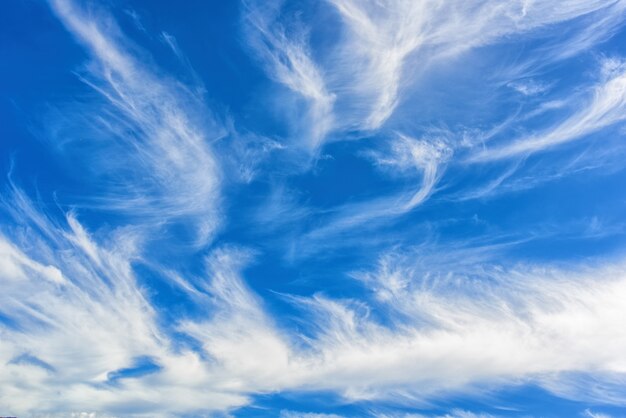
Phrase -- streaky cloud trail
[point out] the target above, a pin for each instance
(168, 156)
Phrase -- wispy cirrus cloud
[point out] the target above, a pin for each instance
(533, 314)
(590, 414)
(419, 162)
(410, 155)
(534, 324)
(94, 322)
(380, 50)
(150, 139)
(382, 38)
(81, 315)
(84, 335)
(604, 107)
(285, 54)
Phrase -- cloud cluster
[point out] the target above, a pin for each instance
(84, 333)
(382, 47)
(80, 335)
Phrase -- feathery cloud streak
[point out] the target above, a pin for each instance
(605, 107)
(152, 132)
(288, 60)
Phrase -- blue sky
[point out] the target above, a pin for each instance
(344, 208)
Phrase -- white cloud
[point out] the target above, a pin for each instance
(380, 48)
(382, 37)
(453, 323)
(406, 157)
(239, 335)
(528, 87)
(79, 317)
(605, 106)
(76, 322)
(287, 60)
(590, 414)
(409, 154)
(470, 325)
(150, 152)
